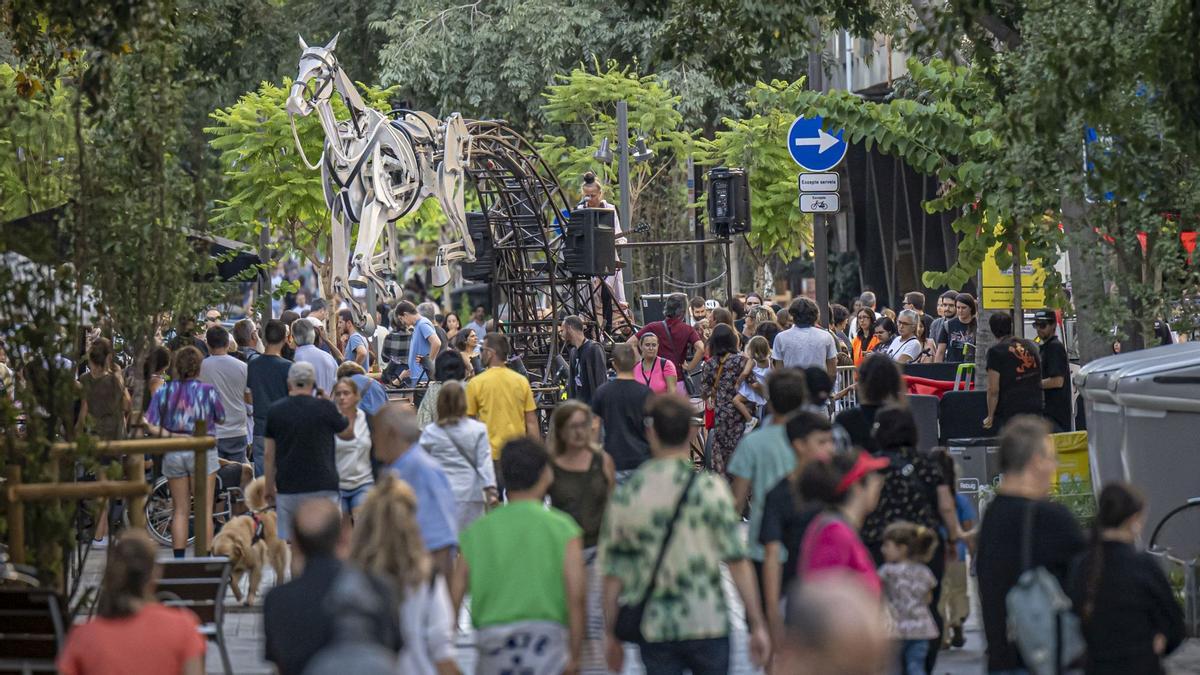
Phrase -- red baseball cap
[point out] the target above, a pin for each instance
(863, 465)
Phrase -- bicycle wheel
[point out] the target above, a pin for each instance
(159, 511)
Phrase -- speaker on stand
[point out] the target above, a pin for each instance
(728, 201)
(591, 248)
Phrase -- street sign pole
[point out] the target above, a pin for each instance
(818, 152)
(821, 264)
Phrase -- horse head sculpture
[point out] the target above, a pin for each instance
(376, 168)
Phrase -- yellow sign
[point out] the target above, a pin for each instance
(998, 283)
(1073, 466)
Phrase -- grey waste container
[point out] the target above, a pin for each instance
(1096, 383)
(1160, 401)
(978, 464)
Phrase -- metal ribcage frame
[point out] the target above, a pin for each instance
(521, 198)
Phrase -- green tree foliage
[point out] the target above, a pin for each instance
(37, 148)
(777, 226)
(268, 186)
(583, 108)
(493, 60)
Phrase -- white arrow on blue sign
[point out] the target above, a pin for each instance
(813, 148)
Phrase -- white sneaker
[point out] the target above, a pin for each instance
(751, 424)
(100, 544)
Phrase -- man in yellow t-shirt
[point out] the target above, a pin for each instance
(500, 398)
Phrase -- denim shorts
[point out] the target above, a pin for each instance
(354, 497)
(180, 464)
(286, 505)
(232, 449)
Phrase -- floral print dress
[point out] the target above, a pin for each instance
(718, 386)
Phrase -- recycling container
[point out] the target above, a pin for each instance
(978, 463)
(1160, 446)
(1096, 383)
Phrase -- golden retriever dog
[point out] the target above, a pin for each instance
(251, 541)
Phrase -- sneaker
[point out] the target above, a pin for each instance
(100, 544)
(957, 639)
(751, 424)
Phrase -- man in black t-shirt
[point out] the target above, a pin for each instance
(299, 462)
(956, 343)
(586, 361)
(1028, 464)
(266, 378)
(621, 407)
(1056, 371)
(1014, 375)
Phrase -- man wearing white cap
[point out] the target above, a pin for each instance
(299, 460)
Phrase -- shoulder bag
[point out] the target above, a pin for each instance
(685, 377)
(1040, 621)
(628, 626)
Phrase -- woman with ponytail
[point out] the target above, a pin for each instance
(1131, 618)
(168, 639)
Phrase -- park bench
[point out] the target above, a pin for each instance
(199, 584)
(32, 629)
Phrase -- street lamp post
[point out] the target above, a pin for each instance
(604, 155)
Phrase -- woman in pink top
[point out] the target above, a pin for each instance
(654, 371)
(848, 487)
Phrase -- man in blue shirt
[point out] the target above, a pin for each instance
(425, 343)
(396, 434)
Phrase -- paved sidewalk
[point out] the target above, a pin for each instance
(243, 632)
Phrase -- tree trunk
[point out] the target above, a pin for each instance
(1087, 283)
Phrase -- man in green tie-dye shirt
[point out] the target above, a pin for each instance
(686, 622)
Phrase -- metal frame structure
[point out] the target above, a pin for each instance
(376, 168)
(521, 200)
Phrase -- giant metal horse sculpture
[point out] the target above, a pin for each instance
(377, 167)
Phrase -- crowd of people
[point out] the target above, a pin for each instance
(402, 507)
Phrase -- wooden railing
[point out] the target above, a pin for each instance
(134, 487)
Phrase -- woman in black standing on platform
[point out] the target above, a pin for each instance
(1131, 618)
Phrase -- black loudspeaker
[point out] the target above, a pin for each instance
(652, 307)
(728, 201)
(485, 255)
(591, 248)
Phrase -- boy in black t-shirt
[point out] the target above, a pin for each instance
(956, 342)
(785, 518)
(1014, 375)
(621, 407)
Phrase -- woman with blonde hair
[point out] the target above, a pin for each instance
(584, 478)
(460, 445)
(387, 543)
(168, 639)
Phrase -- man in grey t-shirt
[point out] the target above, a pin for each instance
(228, 375)
(805, 345)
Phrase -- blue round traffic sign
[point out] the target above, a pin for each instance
(813, 148)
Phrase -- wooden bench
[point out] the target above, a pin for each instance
(199, 584)
(32, 630)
